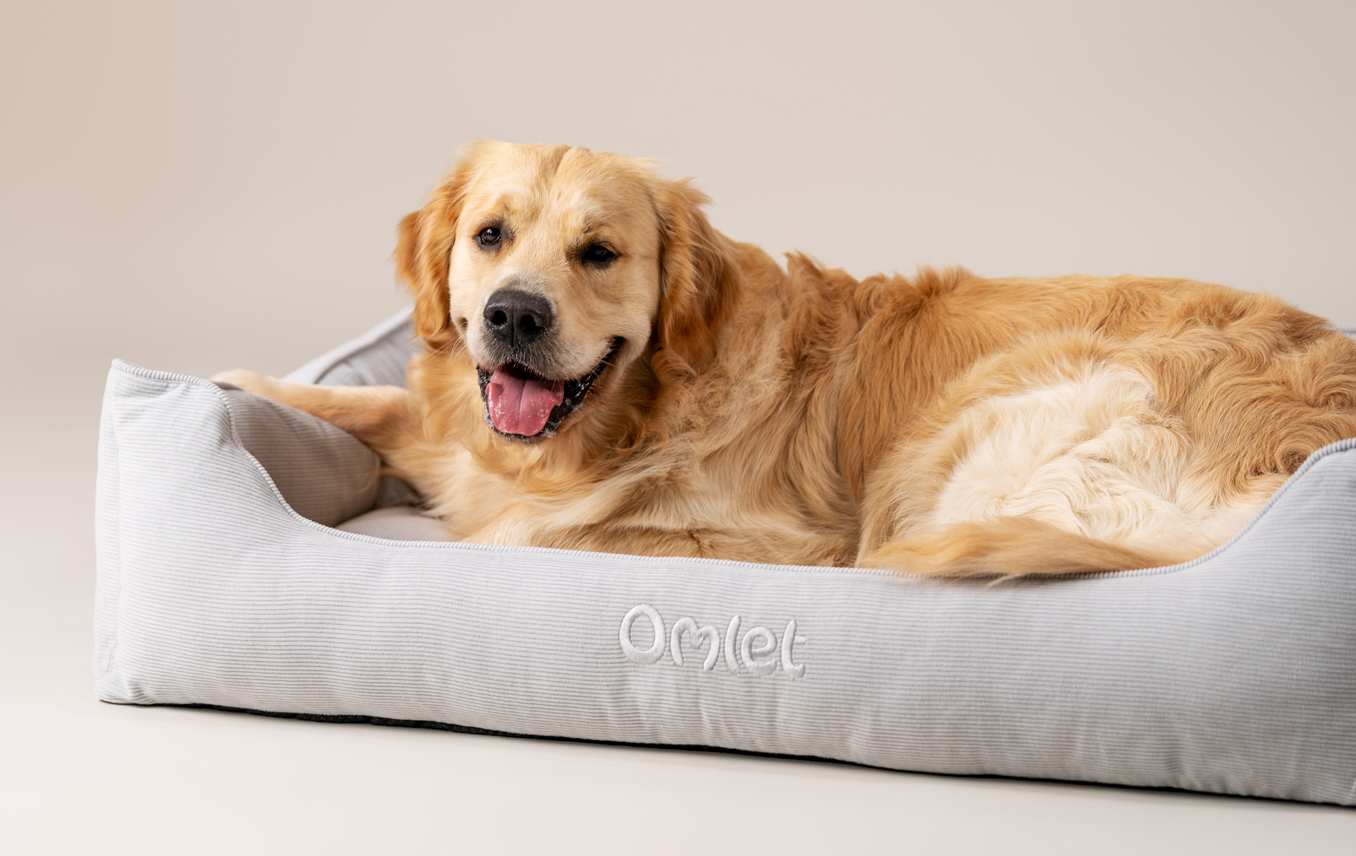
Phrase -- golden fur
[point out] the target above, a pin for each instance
(943, 424)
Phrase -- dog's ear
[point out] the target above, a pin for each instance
(424, 250)
(697, 273)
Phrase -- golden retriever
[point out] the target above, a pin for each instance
(605, 371)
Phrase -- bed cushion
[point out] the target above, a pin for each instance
(222, 581)
(397, 523)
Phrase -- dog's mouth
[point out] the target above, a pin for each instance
(523, 405)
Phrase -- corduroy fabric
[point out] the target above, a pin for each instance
(1235, 673)
(324, 473)
(376, 358)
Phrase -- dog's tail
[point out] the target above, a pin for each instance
(1009, 547)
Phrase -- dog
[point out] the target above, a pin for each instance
(602, 370)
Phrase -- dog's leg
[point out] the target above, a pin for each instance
(777, 547)
(633, 540)
(1011, 547)
(380, 416)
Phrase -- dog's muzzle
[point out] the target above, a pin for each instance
(523, 405)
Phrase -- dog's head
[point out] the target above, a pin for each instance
(558, 268)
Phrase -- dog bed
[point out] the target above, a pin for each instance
(223, 581)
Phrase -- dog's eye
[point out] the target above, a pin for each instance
(597, 254)
(489, 236)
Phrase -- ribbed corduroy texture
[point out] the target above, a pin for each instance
(376, 358)
(1231, 674)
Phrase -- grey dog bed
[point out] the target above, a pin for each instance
(223, 581)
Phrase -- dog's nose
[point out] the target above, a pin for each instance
(517, 317)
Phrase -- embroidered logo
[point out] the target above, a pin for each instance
(755, 651)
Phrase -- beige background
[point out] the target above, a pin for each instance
(195, 187)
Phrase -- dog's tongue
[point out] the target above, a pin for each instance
(522, 405)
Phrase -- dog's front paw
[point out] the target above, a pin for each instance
(247, 380)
